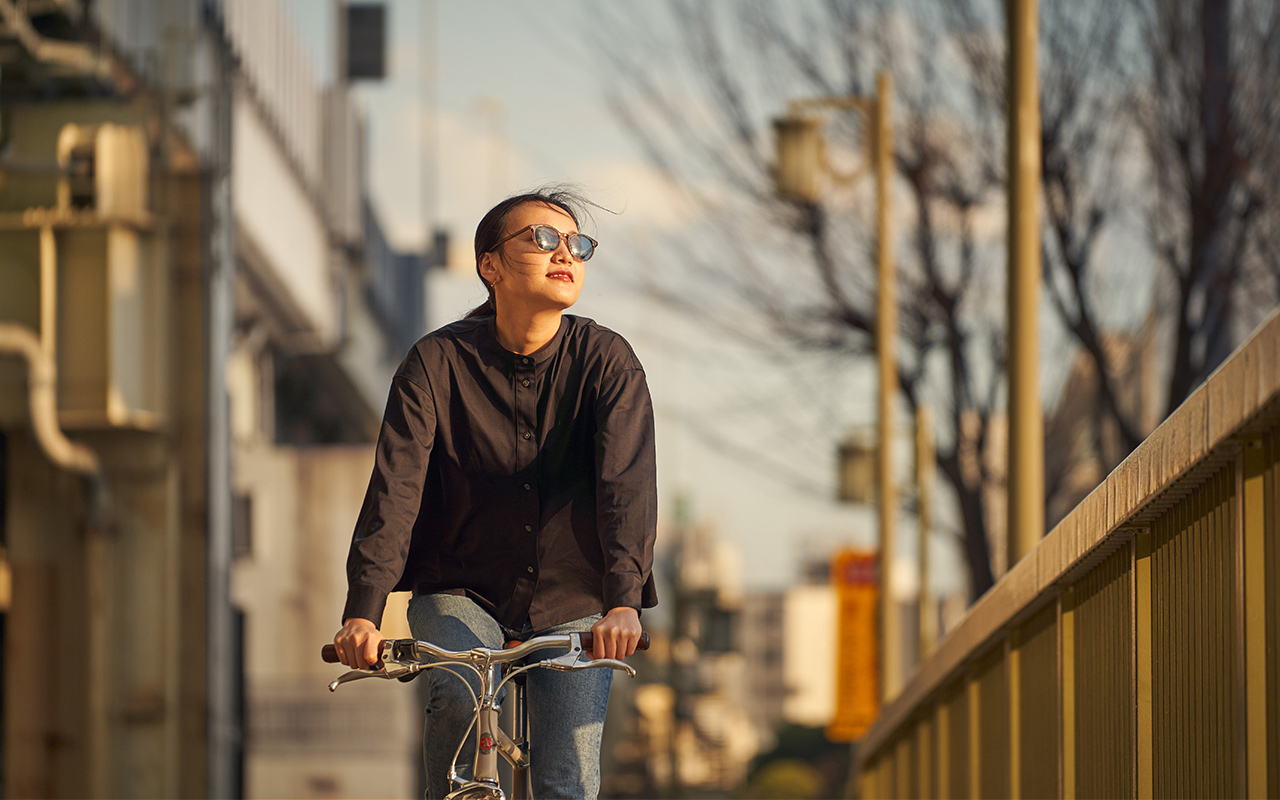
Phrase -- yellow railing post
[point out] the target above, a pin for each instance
(867, 782)
(1067, 643)
(924, 758)
(972, 686)
(943, 773)
(1013, 662)
(1142, 652)
(1252, 498)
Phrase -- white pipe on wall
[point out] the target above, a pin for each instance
(21, 341)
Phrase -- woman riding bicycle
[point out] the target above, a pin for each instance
(514, 493)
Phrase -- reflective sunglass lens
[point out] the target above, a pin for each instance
(580, 247)
(546, 238)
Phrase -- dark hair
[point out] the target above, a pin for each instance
(492, 226)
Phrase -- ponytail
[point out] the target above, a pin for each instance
(485, 309)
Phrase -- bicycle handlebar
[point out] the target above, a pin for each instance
(330, 653)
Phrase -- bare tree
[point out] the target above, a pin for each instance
(1196, 110)
(803, 273)
(1183, 90)
(1209, 126)
(1121, 84)
(1087, 76)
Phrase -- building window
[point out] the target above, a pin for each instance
(241, 525)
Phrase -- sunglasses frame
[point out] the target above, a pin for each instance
(560, 237)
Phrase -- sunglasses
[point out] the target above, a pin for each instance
(547, 238)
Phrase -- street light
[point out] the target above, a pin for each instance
(801, 166)
(858, 460)
(801, 149)
(801, 154)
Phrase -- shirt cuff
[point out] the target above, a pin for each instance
(622, 589)
(366, 602)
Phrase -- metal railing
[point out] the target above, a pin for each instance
(1136, 651)
(279, 71)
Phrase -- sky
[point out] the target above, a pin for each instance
(512, 101)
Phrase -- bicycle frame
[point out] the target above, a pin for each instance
(404, 659)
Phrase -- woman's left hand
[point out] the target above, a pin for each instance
(617, 634)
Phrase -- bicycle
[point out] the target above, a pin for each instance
(405, 659)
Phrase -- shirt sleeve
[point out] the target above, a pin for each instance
(626, 486)
(380, 544)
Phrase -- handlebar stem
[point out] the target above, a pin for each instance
(486, 761)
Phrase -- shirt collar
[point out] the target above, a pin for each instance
(541, 355)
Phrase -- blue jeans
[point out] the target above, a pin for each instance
(566, 709)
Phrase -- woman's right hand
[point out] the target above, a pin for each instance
(358, 642)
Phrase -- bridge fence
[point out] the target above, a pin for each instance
(1135, 652)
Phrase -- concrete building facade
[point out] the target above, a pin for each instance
(195, 343)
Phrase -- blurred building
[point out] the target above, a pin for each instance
(809, 654)
(762, 640)
(713, 739)
(199, 317)
(792, 639)
(686, 730)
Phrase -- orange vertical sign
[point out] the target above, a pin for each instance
(853, 576)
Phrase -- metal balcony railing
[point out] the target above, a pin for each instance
(393, 287)
(1136, 651)
(318, 128)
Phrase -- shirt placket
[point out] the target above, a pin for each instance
(529, 507)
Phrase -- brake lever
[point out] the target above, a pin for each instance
(576, 660)
(391, 670)
(607, 663)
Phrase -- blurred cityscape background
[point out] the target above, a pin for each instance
(223, 223)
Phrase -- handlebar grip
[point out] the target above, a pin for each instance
(329, 653)
(587, 638)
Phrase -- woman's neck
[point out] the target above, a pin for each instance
(526, 333)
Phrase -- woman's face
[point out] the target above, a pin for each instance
(526, 278)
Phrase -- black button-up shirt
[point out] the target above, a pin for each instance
(527, 483)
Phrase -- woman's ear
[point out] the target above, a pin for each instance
(488, 270)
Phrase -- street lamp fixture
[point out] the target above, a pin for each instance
(858, 460)
(801, 149)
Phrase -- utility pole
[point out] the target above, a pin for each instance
(886, 356)
(1025, 523)
(925, 467)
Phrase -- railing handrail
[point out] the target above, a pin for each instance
(1242, 394)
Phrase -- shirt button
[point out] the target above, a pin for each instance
(524, 382)
(528, 527)
(527, 487)
(527, 361)
(529, 568)
(528, 435)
